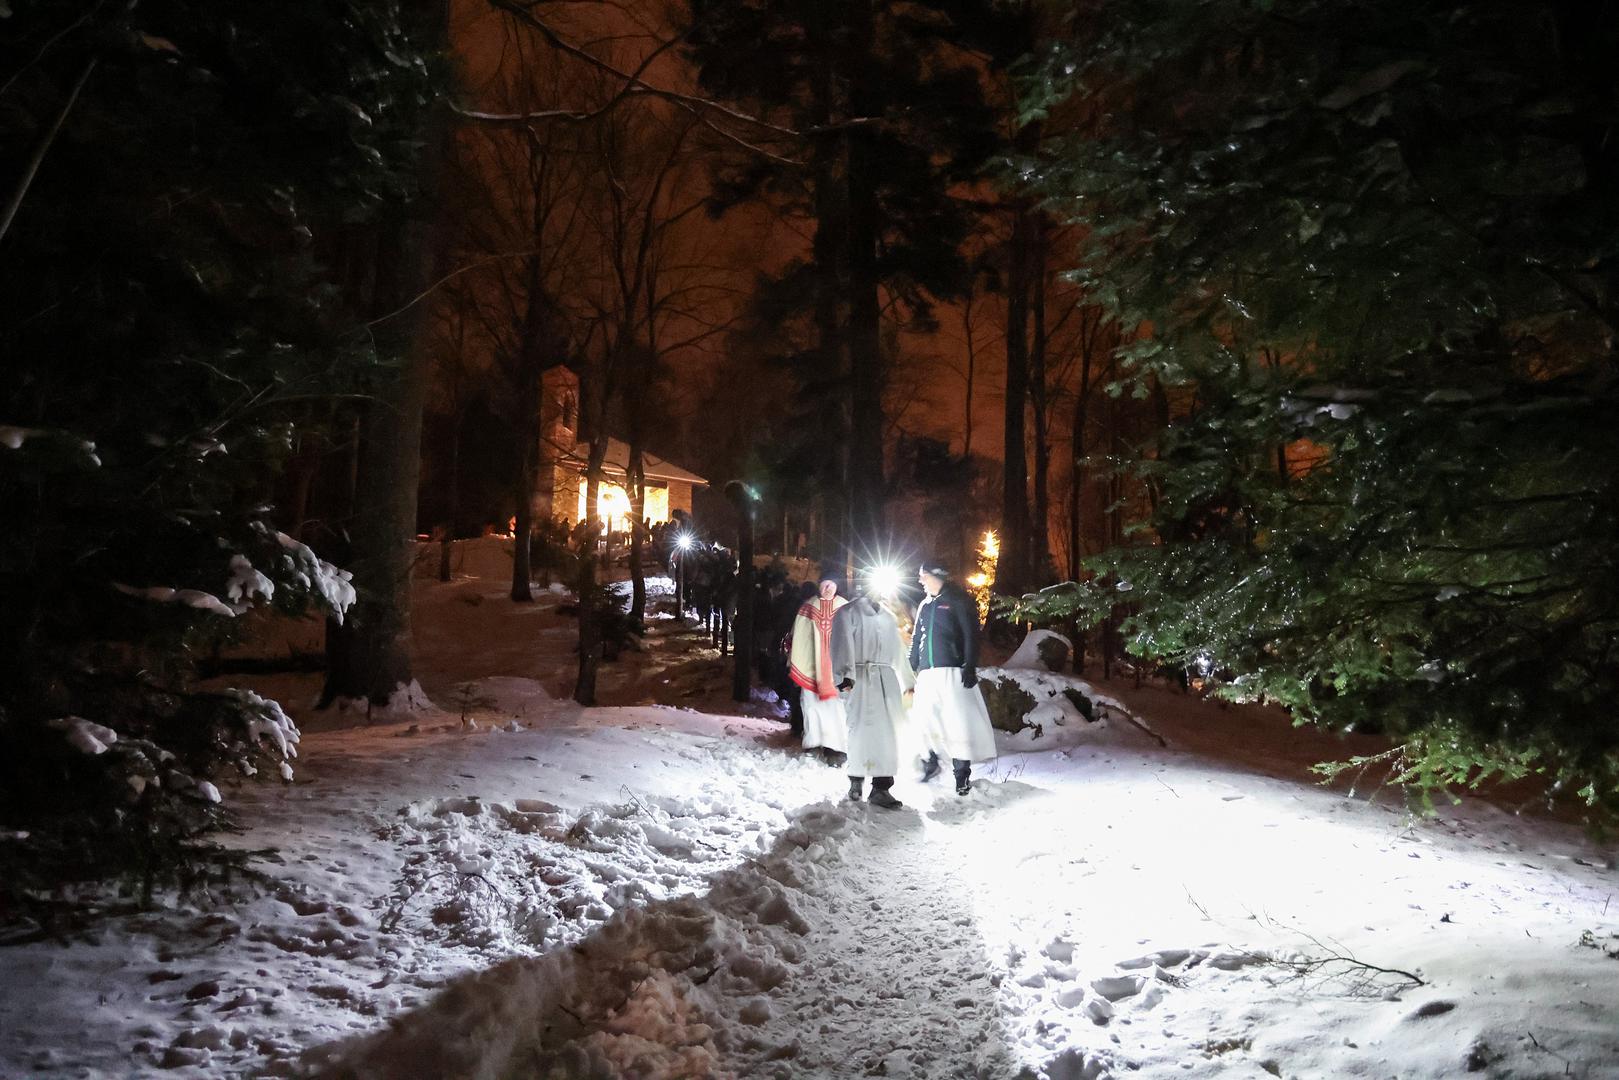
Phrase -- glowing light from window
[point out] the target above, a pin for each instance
(613, 506)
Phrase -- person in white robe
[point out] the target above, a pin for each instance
(810, 667)
(868, 660)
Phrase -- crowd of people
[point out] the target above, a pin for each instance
(858, 695)
(872, 706)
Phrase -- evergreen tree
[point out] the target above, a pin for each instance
(1374, 249)
(886, 110)
(179, 177)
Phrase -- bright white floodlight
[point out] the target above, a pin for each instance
(684, 541)
(883, 580)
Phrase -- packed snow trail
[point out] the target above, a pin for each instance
(651, 893)
(847, 950)
(1079, 916)
(894, 980)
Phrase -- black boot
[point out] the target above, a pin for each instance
(964, 775)
(880, 796)
(931, 767)
(855, 784)
(834, 759)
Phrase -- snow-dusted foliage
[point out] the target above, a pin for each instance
(106, 742)
(327, 585)
(245, 582)
(192, 598)
(84, 735)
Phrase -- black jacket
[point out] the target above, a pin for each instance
(946, 633)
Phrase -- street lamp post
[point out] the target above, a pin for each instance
(683, 544)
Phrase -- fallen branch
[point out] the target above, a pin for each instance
(1362, 979)
(1568, 1066)
(396, 913)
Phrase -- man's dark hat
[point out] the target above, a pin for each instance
(935, 568)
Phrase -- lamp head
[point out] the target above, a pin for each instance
(882, 581)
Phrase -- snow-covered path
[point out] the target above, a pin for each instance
(893, 980)
(1084, 914)
(656, 893)
(848, 949)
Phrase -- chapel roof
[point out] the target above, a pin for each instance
(617, 463)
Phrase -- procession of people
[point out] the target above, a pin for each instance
(875, 707)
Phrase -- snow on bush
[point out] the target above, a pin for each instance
(245, 583)
(267, 722)
(85, 736)
(192, 598)
(13, 437)
(327, 583)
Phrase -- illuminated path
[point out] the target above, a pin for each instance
(894, 979)
(1097, 913)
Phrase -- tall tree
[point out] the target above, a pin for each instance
(522, 228)
(389, 265)
(172, 312)
(882, 110)
(1413, 209)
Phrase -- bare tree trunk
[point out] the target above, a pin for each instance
(528, 451)
(1076, 491)
(305, 468)
(37, 158)
(830, 251)
(368, 655)
(865, 315)
(637, 481)
(742, 673)
(972, 363)
(1077, 483)
(453, 497)
(590, 598)
(1011, 572)
(1040, 527)
(1115, 532)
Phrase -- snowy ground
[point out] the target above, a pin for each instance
(645, 891)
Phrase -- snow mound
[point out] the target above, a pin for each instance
(566, 1012)
(521, 877)
(1049, 710)
(1028, 655)
(405, 702)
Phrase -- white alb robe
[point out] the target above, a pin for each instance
(824, 722)
(951, 720)
(811, 668)
(866, 648)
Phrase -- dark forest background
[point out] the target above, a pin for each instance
(1275, 340)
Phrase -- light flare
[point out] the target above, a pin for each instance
(883, 580)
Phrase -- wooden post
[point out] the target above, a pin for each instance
(742, 675)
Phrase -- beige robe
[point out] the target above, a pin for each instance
(866, 648)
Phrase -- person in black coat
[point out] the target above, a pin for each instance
(948, 710)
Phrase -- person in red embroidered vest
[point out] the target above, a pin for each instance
(811, 668)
